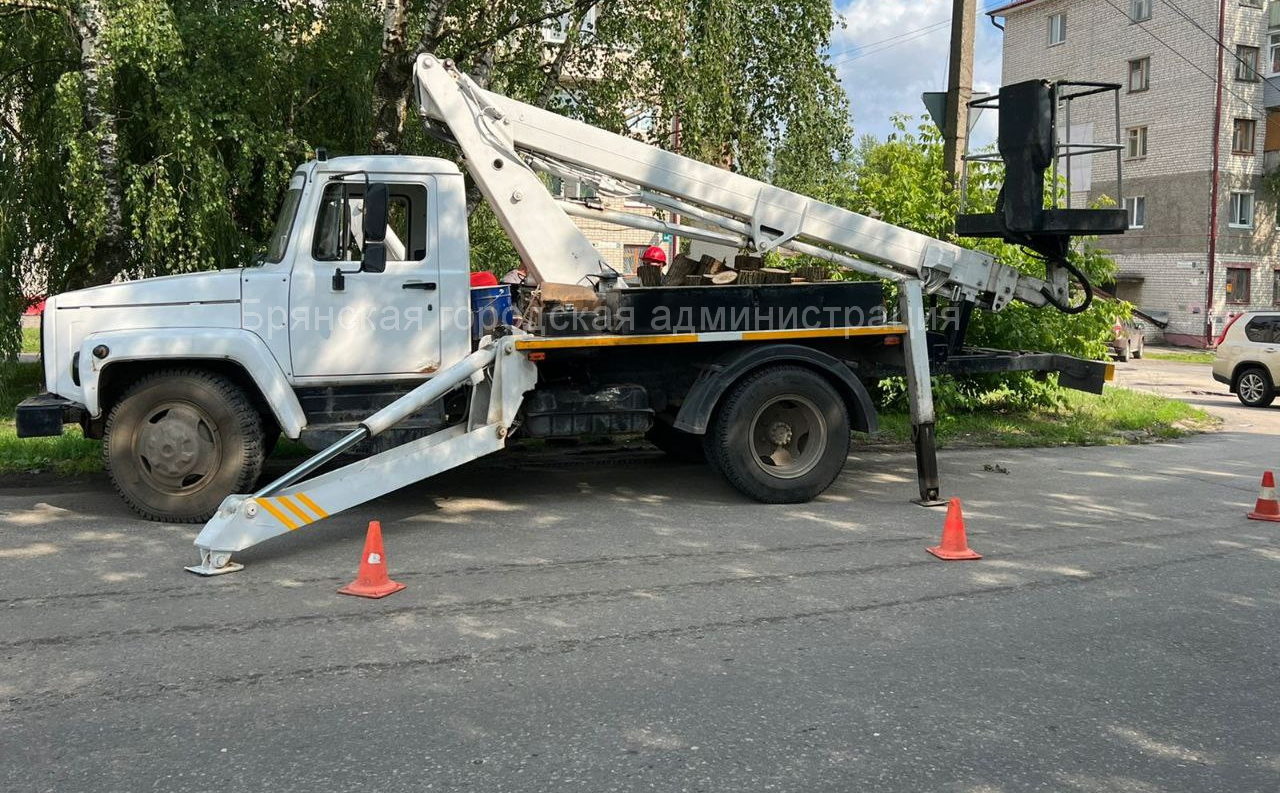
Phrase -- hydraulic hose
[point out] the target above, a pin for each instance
(1080, 278)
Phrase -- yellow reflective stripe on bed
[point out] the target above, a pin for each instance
(542, 343)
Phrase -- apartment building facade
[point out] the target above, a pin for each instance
(1196, 123)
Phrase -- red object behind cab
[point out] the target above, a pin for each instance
(484, 278)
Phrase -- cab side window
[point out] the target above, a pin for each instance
(338, 234)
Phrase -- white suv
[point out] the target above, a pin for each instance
(1248, 357)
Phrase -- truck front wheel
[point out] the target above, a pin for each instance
(781, 435)
(181, 441)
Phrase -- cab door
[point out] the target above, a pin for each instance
(345, 323)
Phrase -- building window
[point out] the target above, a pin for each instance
(1246, 63)
(1136, 142)
(1057, 29)
(1251, 3)
(1273, 53)
(1139, 10)
(1241, 216)
(556, 30)
(631, 258)
(1139, 74)
(1136, 206)
(1275, 287)
(1243, 134)
(1237, 285)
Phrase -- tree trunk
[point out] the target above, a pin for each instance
(551, 82)
(111, 250)
(393, 81)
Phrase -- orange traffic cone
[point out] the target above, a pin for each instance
(954, 545)
(1266, 507)
(372, 581)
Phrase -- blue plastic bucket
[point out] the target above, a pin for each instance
(490, 306)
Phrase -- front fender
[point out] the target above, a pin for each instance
(238, 346)
(695, 412)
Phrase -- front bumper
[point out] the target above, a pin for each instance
(43, 416)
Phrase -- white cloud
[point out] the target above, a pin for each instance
(891, 51)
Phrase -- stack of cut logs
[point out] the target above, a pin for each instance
(710, 271)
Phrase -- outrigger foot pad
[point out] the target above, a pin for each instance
(924, 502)
(214, 563)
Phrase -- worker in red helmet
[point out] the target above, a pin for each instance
(654, 255)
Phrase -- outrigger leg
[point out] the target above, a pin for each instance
(920, 392)
(500, 377)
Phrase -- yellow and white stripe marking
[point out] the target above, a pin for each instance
(293, 514)
(544, 343)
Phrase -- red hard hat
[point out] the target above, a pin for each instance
(654, 254)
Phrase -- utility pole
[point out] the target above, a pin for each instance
(964, 15)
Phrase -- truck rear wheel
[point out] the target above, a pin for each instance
(181, 441)
(781, 435)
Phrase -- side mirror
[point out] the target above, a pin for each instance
(374, 258)
(374, 226)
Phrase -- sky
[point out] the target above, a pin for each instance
(891, 51)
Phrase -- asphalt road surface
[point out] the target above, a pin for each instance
(613, 622)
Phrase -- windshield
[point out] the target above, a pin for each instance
(279, 239)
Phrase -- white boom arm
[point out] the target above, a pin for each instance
(505, 142)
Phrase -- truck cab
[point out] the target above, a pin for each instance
(189, 379)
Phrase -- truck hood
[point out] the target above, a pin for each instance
(192, 288)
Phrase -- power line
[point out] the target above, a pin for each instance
(863, 50)
(867, 49)
(1253, 67)
(1190, 62)
(918, 34)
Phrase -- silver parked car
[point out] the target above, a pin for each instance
(1248, 357)
(1127, 341)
